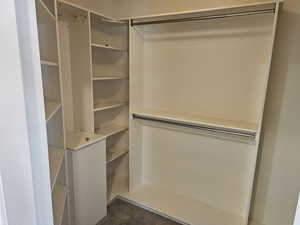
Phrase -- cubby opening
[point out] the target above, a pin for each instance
(109, 62)
(108, 33)
(47, 33)
(109, 122)
(117, 148)
(110, 94)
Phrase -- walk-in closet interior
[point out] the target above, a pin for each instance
(156, 103)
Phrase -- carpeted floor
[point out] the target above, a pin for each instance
(123, 213)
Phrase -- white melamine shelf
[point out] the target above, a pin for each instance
(70, 7)
(111, 129)
(51, 108)
(242, 8)
(42, 9)
(106, 20)
(113, 154)
(56, 158)
(59, 197)
(181, 208)
(104, 78)
(108, 105)
(108, 47)
(211, 123)
(79, 140)
(48, 63)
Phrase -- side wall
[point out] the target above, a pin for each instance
(24, 164)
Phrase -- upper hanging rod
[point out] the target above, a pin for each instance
(222, 130)
(221, 16)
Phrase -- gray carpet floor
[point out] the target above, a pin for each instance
(123, 213)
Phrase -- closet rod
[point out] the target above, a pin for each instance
(221, 16)
(221, 130)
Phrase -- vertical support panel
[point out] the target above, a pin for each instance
(89, 183)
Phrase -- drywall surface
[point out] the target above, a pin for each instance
(15, 161)
(278, 181)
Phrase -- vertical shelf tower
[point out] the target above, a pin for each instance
(51, 76)
(95, 81)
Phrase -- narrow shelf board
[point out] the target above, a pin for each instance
(108, 47)
(59, 197)
(56, 158)
(51, 108)
(113, 154)
(211, 123)
(78, 7)
(236, 8)
(78, 140)
(103, 78)
(174, 206)
(41, 6)
(69, 6)
(110, 130)
(48, 63)
(99, 18)
(108, 105)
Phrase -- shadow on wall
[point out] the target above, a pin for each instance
(277, 184)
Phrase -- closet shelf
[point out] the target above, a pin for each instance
(103, 78)
(51, 108)
(69, 7)
(108, 105)
(48, 63)
(165, 202)
(59, 197)
(110, 130)
(205, 12)
(79, 140)
(44, 14)
(113, 154)
(56, 158)
(106, 20)
(204, 123)
(107, 47)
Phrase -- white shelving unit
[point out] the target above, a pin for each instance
(47, 30)
(178, 126)
(197, 90)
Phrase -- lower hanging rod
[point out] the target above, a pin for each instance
(212, 17)
(221, 130)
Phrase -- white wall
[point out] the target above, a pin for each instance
(278, 181)
(34, 101)
(17, 149)
(15, 163)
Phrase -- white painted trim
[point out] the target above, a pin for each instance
(297, 216)
(3, 216)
